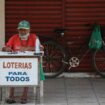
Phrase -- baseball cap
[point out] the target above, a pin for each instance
(24, 24)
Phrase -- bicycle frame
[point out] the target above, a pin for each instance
(73, 61)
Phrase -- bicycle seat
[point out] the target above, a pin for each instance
(60, 31)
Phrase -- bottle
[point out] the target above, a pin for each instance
(37, 46)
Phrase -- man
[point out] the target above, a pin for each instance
(23, 41)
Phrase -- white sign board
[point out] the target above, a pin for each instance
(20, 71)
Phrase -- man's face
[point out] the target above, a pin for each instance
(24, 33)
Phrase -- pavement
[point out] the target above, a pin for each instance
(70, 91)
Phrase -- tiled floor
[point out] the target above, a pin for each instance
(73, 91)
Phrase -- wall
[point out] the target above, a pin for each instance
(2, 23)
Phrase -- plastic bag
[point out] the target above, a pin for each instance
(96, 38)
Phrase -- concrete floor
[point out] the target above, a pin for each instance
(71, 91)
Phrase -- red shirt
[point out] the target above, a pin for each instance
(15, 42)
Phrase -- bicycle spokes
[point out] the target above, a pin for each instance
(52, 60)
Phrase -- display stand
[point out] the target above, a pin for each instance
(20, 69)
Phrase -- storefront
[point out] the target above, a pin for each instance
(76, 16)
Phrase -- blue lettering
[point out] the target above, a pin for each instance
(17, 73)
(22, 79)
(7, 78)
(27, 79)
(17, 78)
(11, 78)
(9, 73)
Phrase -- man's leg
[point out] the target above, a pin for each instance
(24, 95)
(11, 98)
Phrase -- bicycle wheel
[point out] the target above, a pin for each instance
(54, 53)
(99, 61)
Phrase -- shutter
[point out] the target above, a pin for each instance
(78, 14)
(44, 15)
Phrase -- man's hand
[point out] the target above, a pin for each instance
(7, 49)
(41, 47)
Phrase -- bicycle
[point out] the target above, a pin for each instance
(57, 57)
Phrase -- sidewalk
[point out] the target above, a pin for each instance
(72, 91)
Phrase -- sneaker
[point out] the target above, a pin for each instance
(10, 101)
(23, 101)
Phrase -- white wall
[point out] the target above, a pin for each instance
(2, 23)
